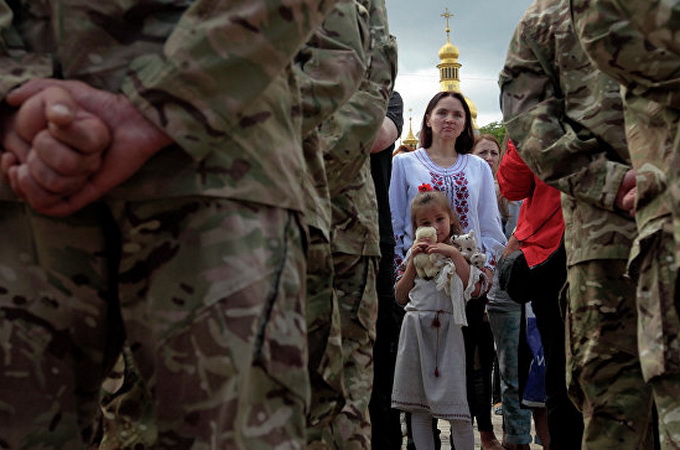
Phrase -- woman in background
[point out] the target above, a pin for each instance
(484, 352)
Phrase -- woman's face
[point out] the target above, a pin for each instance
(489, 152)
(447, 119)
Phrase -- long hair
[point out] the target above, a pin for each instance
(466, 139)
(428, 199)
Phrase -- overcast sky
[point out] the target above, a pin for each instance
(481, 29)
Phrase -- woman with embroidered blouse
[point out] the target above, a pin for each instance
(444, 160)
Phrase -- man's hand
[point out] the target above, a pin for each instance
(134, 139)
(625, 197)
(54, 141)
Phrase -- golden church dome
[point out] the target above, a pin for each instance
(449, 68)
(473, 111)
(448, 51)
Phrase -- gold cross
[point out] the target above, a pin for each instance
(447, 15)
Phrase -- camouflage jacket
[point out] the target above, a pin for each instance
(214, 75)
(566, 119)
(636, 44)
(346, 141)
(329, 69)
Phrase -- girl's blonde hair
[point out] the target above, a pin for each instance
(429, 199)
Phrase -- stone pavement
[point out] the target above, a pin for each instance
(497, 421)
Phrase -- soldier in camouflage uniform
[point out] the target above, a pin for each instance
(566, 119)
(200, 242)
(346, 140)
(636, 44)
(329, 68)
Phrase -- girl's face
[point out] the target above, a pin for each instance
(447, 119)
(437, 217)
(489, 152)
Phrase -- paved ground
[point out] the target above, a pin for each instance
(497, 426)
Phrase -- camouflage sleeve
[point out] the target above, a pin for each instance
(558, 150)
(16, 65)
(332, 64)
(633, 42)
(218, 60)
(382, 68)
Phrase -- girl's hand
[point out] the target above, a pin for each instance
(443, 249)
(419, 247)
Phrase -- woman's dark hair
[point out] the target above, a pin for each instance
(466, 139)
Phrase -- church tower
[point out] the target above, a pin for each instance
(449, 69)
(410, 141)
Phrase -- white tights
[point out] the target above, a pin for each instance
(421, 427)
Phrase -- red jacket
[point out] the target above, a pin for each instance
(540, 225)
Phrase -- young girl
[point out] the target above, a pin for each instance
(429, 379)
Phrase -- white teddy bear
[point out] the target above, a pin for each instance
(467, 245)
(427, 266)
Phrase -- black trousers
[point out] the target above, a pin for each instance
(385, 423)
(565, 422)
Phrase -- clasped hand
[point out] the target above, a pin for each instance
(66, 144)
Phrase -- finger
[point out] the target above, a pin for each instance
(628, 202)
(67, 96)
(19, 95)
(12, 174)
(34, 111)
(52, 181)
(12, 142)
(63, 104)
(60, 111)
(26, 187)
(65, 206)
(86, 133)
(7, 160)
(63, 159)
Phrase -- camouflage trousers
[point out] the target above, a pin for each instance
(659, 327)
(59, 328)
(324, 337)
(211, 298)
(355, 278)
(604, 375)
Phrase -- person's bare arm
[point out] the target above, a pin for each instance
(405, 283)
(386, 136)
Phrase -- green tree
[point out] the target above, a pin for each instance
(495, 128)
